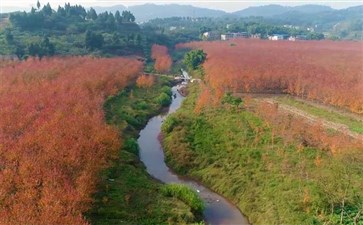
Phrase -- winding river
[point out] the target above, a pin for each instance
(218, 210)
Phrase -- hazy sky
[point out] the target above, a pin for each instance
(228, 5)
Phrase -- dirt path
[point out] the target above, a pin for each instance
(330, 108)
(314, 119)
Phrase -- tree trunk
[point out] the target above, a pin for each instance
(342, 212)
(357, 217)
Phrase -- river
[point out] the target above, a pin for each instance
(218, 210)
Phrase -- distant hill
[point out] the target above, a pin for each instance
(6, 9)
(4, 20)
(112, 9)
(312, 9)
(274, 10)
(147, 12)
(322, 19)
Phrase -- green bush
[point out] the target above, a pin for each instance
(167, 90)
(165, 81)
(131, 145)
(194, 58)
(141, 105)
(230, 99)
(169, 124)
(164, 99)
(185, 194)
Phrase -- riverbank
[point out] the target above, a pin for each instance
(233, 152)
(217, 210)
(128, 195)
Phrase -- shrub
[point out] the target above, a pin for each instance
(164, 99)
(185, 194)
(230, 99)
(131, 145)
(169, 124)
(167, 90)
(141, 105)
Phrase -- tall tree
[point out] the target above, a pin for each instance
(91, 14)
(118, 17)
(128, 16)
(47, 10)
(93, 40)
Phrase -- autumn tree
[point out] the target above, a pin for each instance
(145, 81)
(54, 140)
(162, 58)
(329, 72)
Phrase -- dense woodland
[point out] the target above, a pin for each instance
(71, 30)
(186, 29)
(54, 141)
(330, 72)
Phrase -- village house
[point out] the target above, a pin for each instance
(210, 35)
(277, 37)
(297, 37)
(255, 36)
(228, 36)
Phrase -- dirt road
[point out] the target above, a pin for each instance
(314, 119)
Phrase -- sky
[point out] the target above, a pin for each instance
(226, 5)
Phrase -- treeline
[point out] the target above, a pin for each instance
(54, 139)
(63, 18)
(71, 30)
(186, 29)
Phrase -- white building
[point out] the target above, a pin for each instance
(210, 35)
(276, 37)
(228, 36)
(297, 37)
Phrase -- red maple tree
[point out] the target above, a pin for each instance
(53, 137)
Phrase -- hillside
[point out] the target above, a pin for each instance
(345, 23)
(111, 9)
(147, 12)
(336, 24)
(4, 20)
(273, 10)
(324, 18)
(70, 30)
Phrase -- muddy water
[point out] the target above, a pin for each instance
(218, 209)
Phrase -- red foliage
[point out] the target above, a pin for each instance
(203, 100)
(53, 138)
(162, 58)
(327, 71)
(145, 81)
(296, 129)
